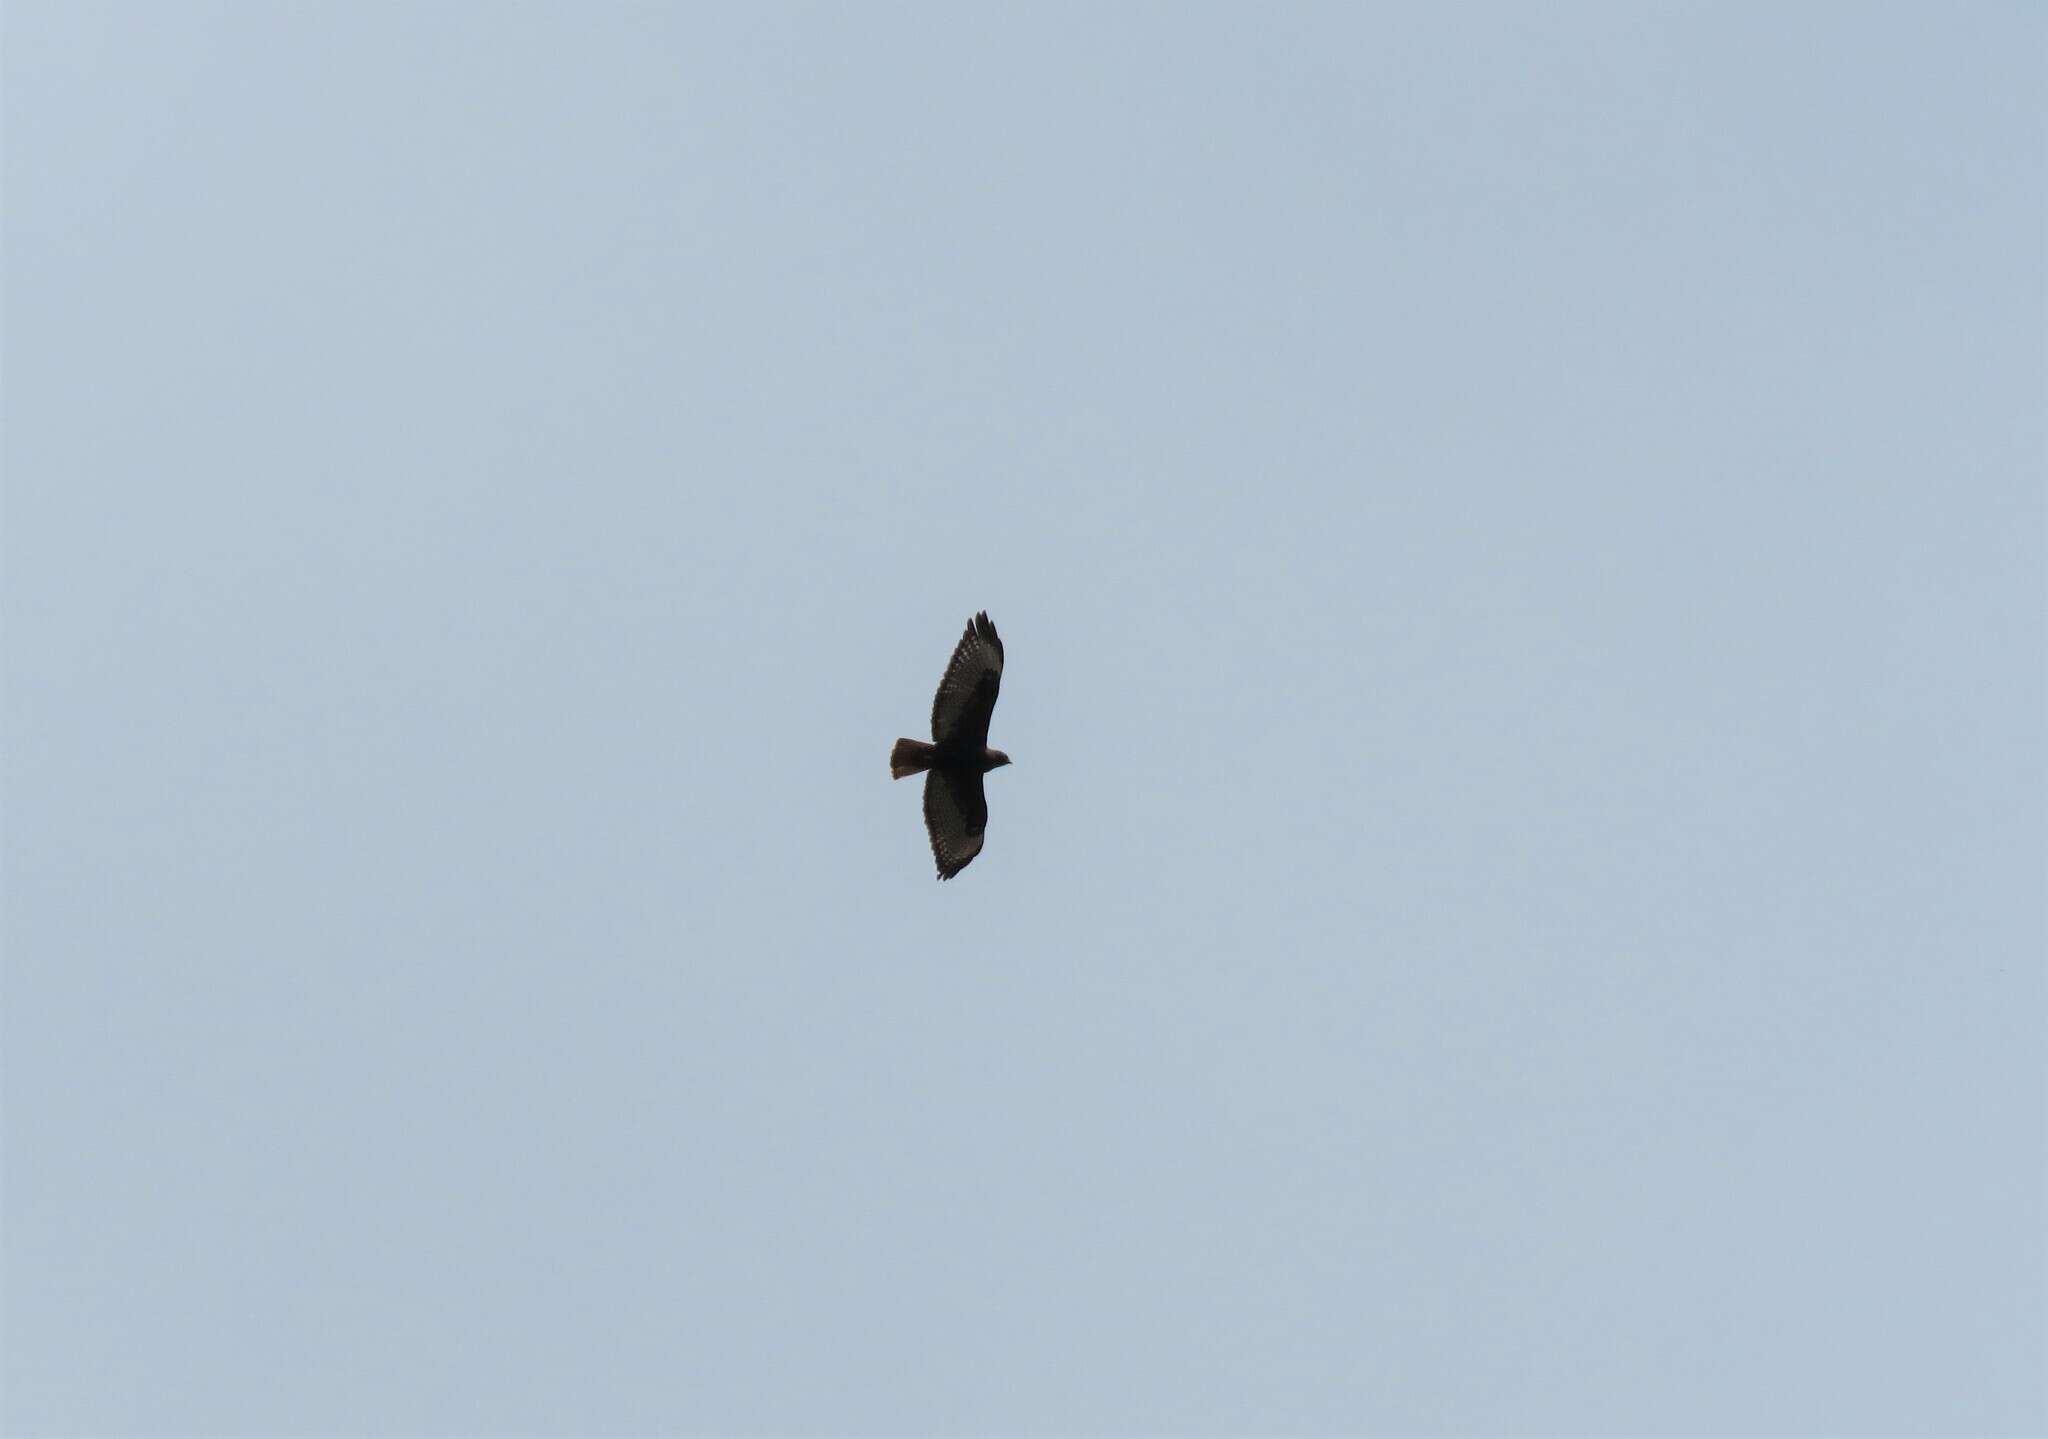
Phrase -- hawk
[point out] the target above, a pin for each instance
(955, 813)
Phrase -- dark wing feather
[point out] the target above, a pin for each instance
(955, 815)
(966, 699)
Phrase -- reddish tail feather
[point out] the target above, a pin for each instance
(909, 757)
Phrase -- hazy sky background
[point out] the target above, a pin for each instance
(1520, 537)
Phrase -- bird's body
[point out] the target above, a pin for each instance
(913, 755)
(955, 808)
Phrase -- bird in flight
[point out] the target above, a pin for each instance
(955, 812)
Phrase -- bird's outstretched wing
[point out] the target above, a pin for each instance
(955, 815)
(967, 695)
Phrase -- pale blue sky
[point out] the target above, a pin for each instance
(1519, 532)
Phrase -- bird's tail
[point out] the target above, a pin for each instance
(909, 757)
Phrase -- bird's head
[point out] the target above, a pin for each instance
(993, 759)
